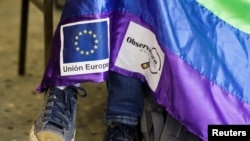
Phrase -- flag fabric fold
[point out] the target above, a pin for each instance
(194, 59)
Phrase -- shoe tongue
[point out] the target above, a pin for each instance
(55, 121)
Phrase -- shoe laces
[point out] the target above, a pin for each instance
(60, 106)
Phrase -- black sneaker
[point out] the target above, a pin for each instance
(121, 132)
(56, 122)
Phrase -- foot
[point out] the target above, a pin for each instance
(56, 122)
(121, 132)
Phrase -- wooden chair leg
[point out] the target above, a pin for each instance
(23, 36)
(46, 6)
(48, 27)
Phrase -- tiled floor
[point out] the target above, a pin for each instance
(19, 103)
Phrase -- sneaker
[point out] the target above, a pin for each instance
(121, 132)
(56, 122)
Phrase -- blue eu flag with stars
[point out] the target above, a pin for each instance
(85, 41)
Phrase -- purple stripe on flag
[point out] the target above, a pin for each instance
(197, 102)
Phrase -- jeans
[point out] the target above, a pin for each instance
(125, 99)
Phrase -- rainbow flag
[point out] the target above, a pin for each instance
(193, 54)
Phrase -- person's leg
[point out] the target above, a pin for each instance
(124, 106)
(56, 121)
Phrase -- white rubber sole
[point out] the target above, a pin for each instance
(45, 136)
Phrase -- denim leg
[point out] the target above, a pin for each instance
(125, 99)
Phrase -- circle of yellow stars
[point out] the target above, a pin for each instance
(89, 33)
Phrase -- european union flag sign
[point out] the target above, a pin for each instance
(84, 47)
